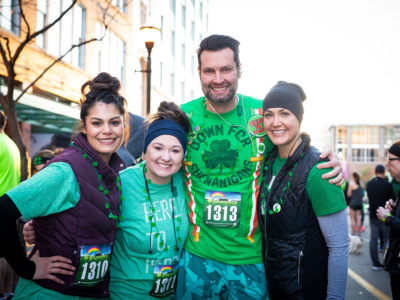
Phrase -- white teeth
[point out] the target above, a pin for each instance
(280, 131)
(219, 89)
(164, 166)
(106, 141)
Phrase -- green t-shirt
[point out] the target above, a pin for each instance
(132, 266)
(10, 164)
(325, 198)
(396, 187)
(225, 161)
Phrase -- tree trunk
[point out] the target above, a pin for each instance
(15, 131)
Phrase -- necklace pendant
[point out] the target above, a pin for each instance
(276, 208)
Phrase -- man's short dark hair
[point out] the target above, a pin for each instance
(380, 169)
(218, 42)
(2, 119)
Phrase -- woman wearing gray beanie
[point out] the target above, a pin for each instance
(303, 217)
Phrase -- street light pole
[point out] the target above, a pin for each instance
(149, 46)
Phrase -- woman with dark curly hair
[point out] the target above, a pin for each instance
(76, 204)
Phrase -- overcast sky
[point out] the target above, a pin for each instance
(345, 54)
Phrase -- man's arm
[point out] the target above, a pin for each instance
(333, 163)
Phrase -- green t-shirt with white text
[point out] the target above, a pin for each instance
(223, 163)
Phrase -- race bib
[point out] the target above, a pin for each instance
(165, 280)
(222, 209)
(94, 264)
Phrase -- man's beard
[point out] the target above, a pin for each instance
(220, 100)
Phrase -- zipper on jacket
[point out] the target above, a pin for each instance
(299, 266)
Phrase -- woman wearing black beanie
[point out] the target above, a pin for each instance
(302, 216)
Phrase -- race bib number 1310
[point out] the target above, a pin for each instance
(222, 209)
(94, 264)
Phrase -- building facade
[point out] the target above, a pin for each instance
(51, 105)
(183, 25)
(362, 147)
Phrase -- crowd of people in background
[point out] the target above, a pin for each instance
(202, 190)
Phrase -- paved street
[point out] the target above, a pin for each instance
(363, 283)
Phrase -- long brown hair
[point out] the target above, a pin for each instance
(356, 178)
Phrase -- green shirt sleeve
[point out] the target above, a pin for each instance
(325, 198)
(52, 190)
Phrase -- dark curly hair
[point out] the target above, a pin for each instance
(105, 89)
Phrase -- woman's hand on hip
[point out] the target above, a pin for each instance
(47, 266)
(333, 163)
(29, 233)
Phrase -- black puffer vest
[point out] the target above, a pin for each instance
(294, 249)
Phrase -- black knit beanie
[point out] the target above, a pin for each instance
(286, 95)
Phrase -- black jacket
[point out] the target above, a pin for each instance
(294, 249)
(391, 260)
(379, 191)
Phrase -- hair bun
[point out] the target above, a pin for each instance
(103, 82)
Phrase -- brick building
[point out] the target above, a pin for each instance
(51, 104)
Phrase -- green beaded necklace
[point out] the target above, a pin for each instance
(104, 191)
(152, 209)
(277, 206)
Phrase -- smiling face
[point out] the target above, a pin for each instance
(104, 128)
(219, 75)
(282, 127)
(163, 158)
(393, 166)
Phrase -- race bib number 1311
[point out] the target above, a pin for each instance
(222, 209)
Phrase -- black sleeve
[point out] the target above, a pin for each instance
(10, 245)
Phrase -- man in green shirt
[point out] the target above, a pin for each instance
(222, 257)
(10, 176)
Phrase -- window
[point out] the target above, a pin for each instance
(183, 53)
(172, 48)
(162, 28)
(73, 33)
(192, 30)
(40, 20)
(365, 143)
(110, 54)
(161, 73)
(191, 95)
(172, 82)
(121, 4)
(192, 65)
(342, 135)
(392, 134)
(207, 23)
(52, 36)
(143, 15)
(194, 2)
(201, 11)
(183, 16)
(200, 37)
(365, 155)
(183, 92)
(10, 16)
(172, 5)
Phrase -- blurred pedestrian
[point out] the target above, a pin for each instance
(132, 151)
(379, 191)
(355, 192)
(42, 158)
(390, 215)
(10, 176)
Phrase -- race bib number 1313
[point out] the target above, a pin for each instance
(222, 209)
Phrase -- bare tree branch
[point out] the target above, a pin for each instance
(44, 29)
(4, 55)
(54, 62)
(24, 18)
(13, 23)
